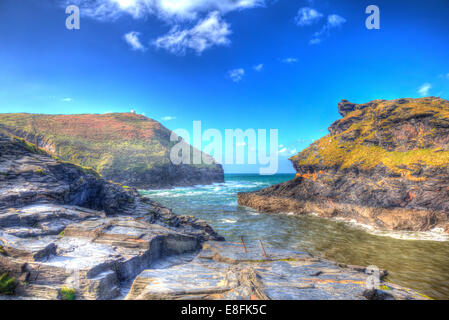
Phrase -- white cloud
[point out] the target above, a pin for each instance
(258, 67)
(333, 21)
(424, 89)
(241, 144)
(307, 16)
(168, 118)
(208, 32)
(286, 151)
(67, 100)
(289, 60)
(164, 9)
(132, 38)
(315, 41)
(236, 75)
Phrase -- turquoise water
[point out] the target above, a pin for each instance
(422, 265)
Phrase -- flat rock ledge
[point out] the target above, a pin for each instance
(223, 271)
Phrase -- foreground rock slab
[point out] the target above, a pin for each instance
(93, 254)
(222, 270)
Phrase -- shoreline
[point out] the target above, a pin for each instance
(379, 219)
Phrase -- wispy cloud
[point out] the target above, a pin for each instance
(210, 31)
(424, 89)
(286, 151)
(132, 38)
(168, 118)
(333, 21)
(168, 10)
(258, 67)
(67, 100)
(236, 75)
(289, 60)
(307, 16)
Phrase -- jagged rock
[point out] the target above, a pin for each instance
(225, 271)
(385, 164)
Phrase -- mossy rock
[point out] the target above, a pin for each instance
(67, 294)
(8, 284)
(40, 171)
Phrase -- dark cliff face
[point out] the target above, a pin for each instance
(123, 147)
(167, 176)
(385, 163)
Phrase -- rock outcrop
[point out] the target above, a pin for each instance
(385, 164)
(63, 226)
(127, 148)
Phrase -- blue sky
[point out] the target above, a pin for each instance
(264, 64)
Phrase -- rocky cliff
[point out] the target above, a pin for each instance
(385, 164)
(63, 226)
(123, 147)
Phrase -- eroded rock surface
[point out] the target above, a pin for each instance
(224, 271)
(385, 164)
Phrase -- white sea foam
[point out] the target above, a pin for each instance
(435, 234)
(228, 220)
